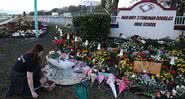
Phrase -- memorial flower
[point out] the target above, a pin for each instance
(59, 42)
(180, 65)
(140, 56)
(100, 58)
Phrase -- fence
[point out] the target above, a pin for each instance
(56, 20)
(180, 21)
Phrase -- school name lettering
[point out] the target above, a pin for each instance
(167, 18)
(150, 24)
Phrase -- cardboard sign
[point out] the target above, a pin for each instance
(147, 67)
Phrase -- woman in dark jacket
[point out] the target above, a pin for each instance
(26, 74)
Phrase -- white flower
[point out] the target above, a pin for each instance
(174, 91)
(133, 76)
(177, 87)
(161, 42)
(95, 70)
(163, 92)
(142, 41)
(51, 52)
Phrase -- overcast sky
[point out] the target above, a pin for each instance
(28, 5)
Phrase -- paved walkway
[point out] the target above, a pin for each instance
(5, 22)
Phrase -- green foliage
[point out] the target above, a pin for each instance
(66, 29)
(93, 27)
(70, 9)
(3, 33)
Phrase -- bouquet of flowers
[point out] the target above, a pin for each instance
(59, 43)
(125, 65)
(54, 54)
(180, 63)
(83, 55)
(140, 56)
(99, 58)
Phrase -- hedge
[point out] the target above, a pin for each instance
(93, 27)
(3, 33)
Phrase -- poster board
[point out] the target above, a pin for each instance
(147, 67)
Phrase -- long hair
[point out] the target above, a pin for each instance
(34, 53)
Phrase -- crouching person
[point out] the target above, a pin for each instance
(26, 74)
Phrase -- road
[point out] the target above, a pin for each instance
(5, 22)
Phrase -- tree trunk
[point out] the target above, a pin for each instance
(115, 7)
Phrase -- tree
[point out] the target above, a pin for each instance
(110, 6)
(74, 8)
(55, 10)
(181, 7)
(115, 7)
(179, 4)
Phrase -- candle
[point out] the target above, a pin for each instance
(61, 34)
(56, 26)
(76, 39)
(86, 42)
(59, 29)
(68, 36)
(99, 46)
(121, 52)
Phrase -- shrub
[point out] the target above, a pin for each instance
(93, 27)
(3, 33)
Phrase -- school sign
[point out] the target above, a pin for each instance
(146, 19)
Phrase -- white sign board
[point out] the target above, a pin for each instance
(146, 19)
(54, 14)
(67, 15)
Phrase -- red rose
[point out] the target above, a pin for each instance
(173, 72)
